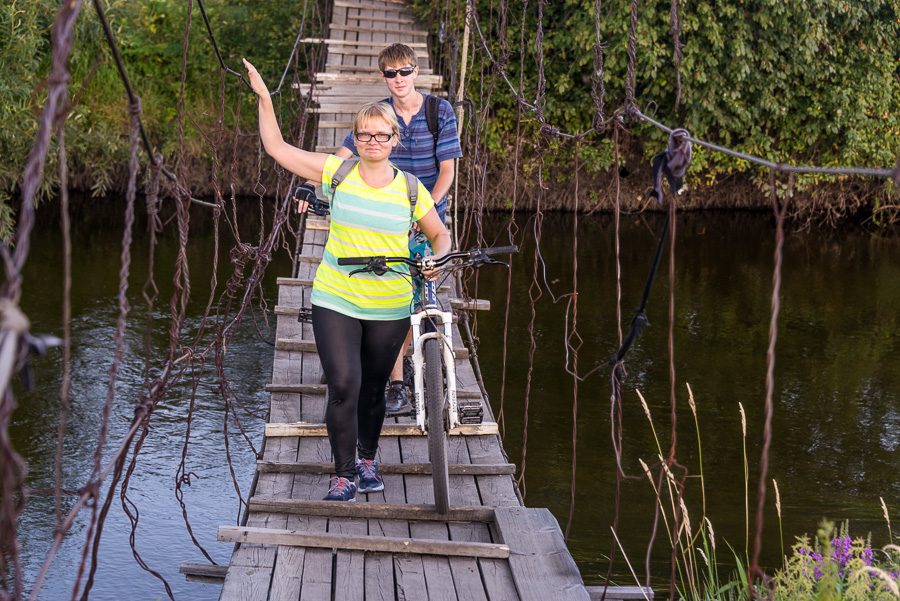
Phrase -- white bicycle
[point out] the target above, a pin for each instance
(437, 408)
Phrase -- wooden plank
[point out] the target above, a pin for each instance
(379, 584)
(337, 109)
(288, 311)
(272, 536)
(498, 580)
(299, 388)
(371, 510)
(294, 282)
(331, 48)
(309, 346)
(467, 580)
(203, 570)
(246, 584)
(473, 304)
(287, 578)
(419, 490)
(318, 429)
(410, 573)
(541, 564)
(458, 469)
(384, 7)
(386, 20)
(331, 41)
(413, 32)
(294, 311)
(619, 593)
(385, 579)
(345, 125)
(349, 571)
(320, 224)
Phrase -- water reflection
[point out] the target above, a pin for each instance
(836, 416)
(835, 425)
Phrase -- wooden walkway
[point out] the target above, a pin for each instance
(390, 545)
(359, 30)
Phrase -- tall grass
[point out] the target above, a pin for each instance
(831, 567)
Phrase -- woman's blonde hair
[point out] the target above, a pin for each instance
(380, 110)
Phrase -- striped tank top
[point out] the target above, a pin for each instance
(366, 221)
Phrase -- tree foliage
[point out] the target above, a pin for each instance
(795, 81)
(150, 36)
(799, 81)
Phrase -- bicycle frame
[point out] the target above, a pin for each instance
(444, 320)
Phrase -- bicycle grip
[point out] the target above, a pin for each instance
(501, 250)
(353, 260)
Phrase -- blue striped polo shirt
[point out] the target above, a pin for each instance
(415, 153)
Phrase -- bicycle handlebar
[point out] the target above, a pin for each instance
(473, 254)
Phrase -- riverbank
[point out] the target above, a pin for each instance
(251, 174)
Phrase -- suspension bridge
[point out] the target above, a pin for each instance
(394, 544)
(289, 545)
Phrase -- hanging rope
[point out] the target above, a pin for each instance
(780, 210)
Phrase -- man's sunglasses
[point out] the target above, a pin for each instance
(392, 73)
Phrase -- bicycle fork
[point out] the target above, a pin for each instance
(442, 319)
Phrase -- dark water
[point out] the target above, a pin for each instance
(836, 419)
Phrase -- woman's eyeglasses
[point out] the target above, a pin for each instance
(392, 73)
(364, 137)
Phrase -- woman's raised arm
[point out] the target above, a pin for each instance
(308, 165)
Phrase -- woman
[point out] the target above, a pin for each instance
(359, 323)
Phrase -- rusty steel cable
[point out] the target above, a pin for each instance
(574, 343)
(89, 495)
(677, 55)
(13, 323)
(780, 211)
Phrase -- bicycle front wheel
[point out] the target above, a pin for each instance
(436, 424)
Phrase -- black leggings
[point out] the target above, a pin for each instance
(357, 356)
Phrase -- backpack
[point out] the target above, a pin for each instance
(412, 182)
(431, 117)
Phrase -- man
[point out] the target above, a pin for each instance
(416, 153)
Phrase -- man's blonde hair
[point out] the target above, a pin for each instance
(397, 55)
(380, 110)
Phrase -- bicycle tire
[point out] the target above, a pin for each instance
(434, 421)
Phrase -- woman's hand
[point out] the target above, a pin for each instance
(256, 81)
(304, 194)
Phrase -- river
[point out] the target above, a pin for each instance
(836, 427)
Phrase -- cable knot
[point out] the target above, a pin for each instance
(549, 131)
(59, 78)
(134, 106)
(672, 163)
(632, 112)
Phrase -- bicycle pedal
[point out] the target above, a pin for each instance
(470, 411)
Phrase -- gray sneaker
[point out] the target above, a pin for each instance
(397, 400)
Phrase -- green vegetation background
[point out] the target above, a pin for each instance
(814, 81)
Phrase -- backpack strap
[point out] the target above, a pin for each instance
(432, 105)
(412, 191)
(342, 171)
(412, 182)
